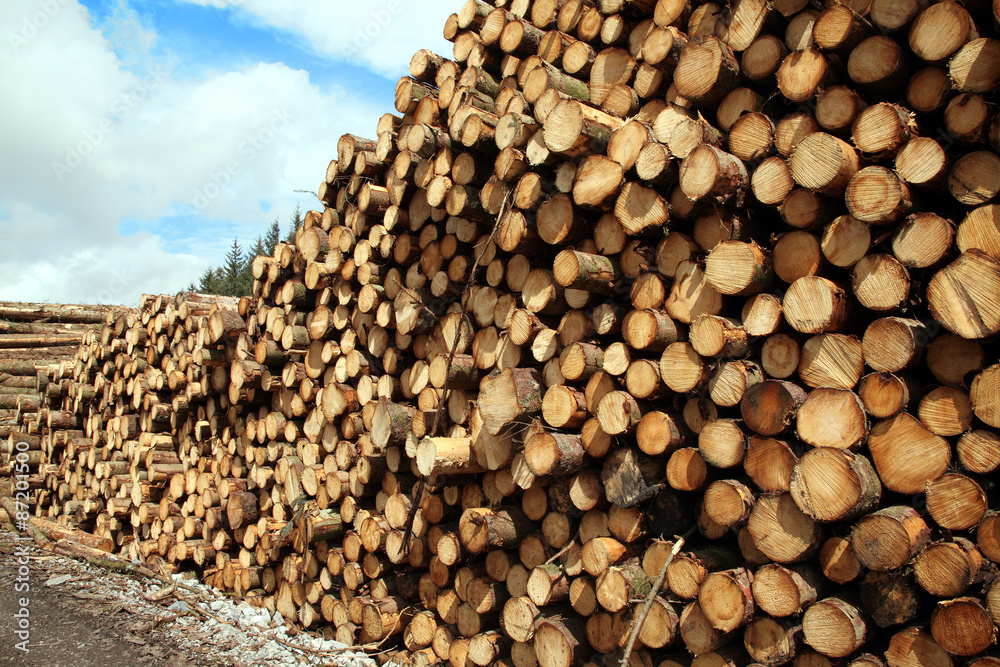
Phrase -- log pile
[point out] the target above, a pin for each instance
(619, 271)
(34, 337)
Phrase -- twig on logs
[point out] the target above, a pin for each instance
(419, 490)
(637, 626)
(559, 553)
(465, 312)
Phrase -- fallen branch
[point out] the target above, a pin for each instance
(37, 535)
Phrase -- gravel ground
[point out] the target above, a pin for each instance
(83, 616)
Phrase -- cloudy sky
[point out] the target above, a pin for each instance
(140, 136)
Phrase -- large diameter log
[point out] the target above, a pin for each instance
(518, 618)
(726, 599)
(974, 178)
(617, 585)
(890, 598)
(975, 68)
(983, 396)
(834, 485)
(242, 509)
(697, 632)
(906, 454)
(708, 171)
(509, 395)
(956, 502)
(938, 31)
(728, 502)
(834, 627)
(771, 641)
(598, 181)
(815, 305)
(630, 478)
(575, 129)
(962, 626)
(893, 343)
(618, 412)
(660, 628)
(706, 71)
(888, 538)
(338, 399)
(554, 454)
(738, 268)
(947, 568)
(878, 64)
(784, 591)
(390, 423)
(913, 647)
(769, 407)
(782, 531)
(225, 324)
(801, 74)
(560, 643)
(877, 196)
(501, 528)
(832, 418)
(769, 463)
(691, 294)
(834, 361)
(961, 295)
(591, 272)
(639, 208)
(980, 229)
(823, 163)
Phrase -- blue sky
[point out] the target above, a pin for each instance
(154, 131)
(224, 38)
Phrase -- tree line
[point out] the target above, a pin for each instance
(234, 277)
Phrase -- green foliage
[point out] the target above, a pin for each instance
(272, 238)
(235, 276)
(296, 223)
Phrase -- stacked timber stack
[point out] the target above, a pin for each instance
(140, 386)
(34, 339)
(622, 270)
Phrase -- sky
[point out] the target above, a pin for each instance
(141, 136)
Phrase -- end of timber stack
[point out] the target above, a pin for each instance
(38, 346)
(620, 271)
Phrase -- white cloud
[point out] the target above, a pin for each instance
(379, 34)
(92, 142)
